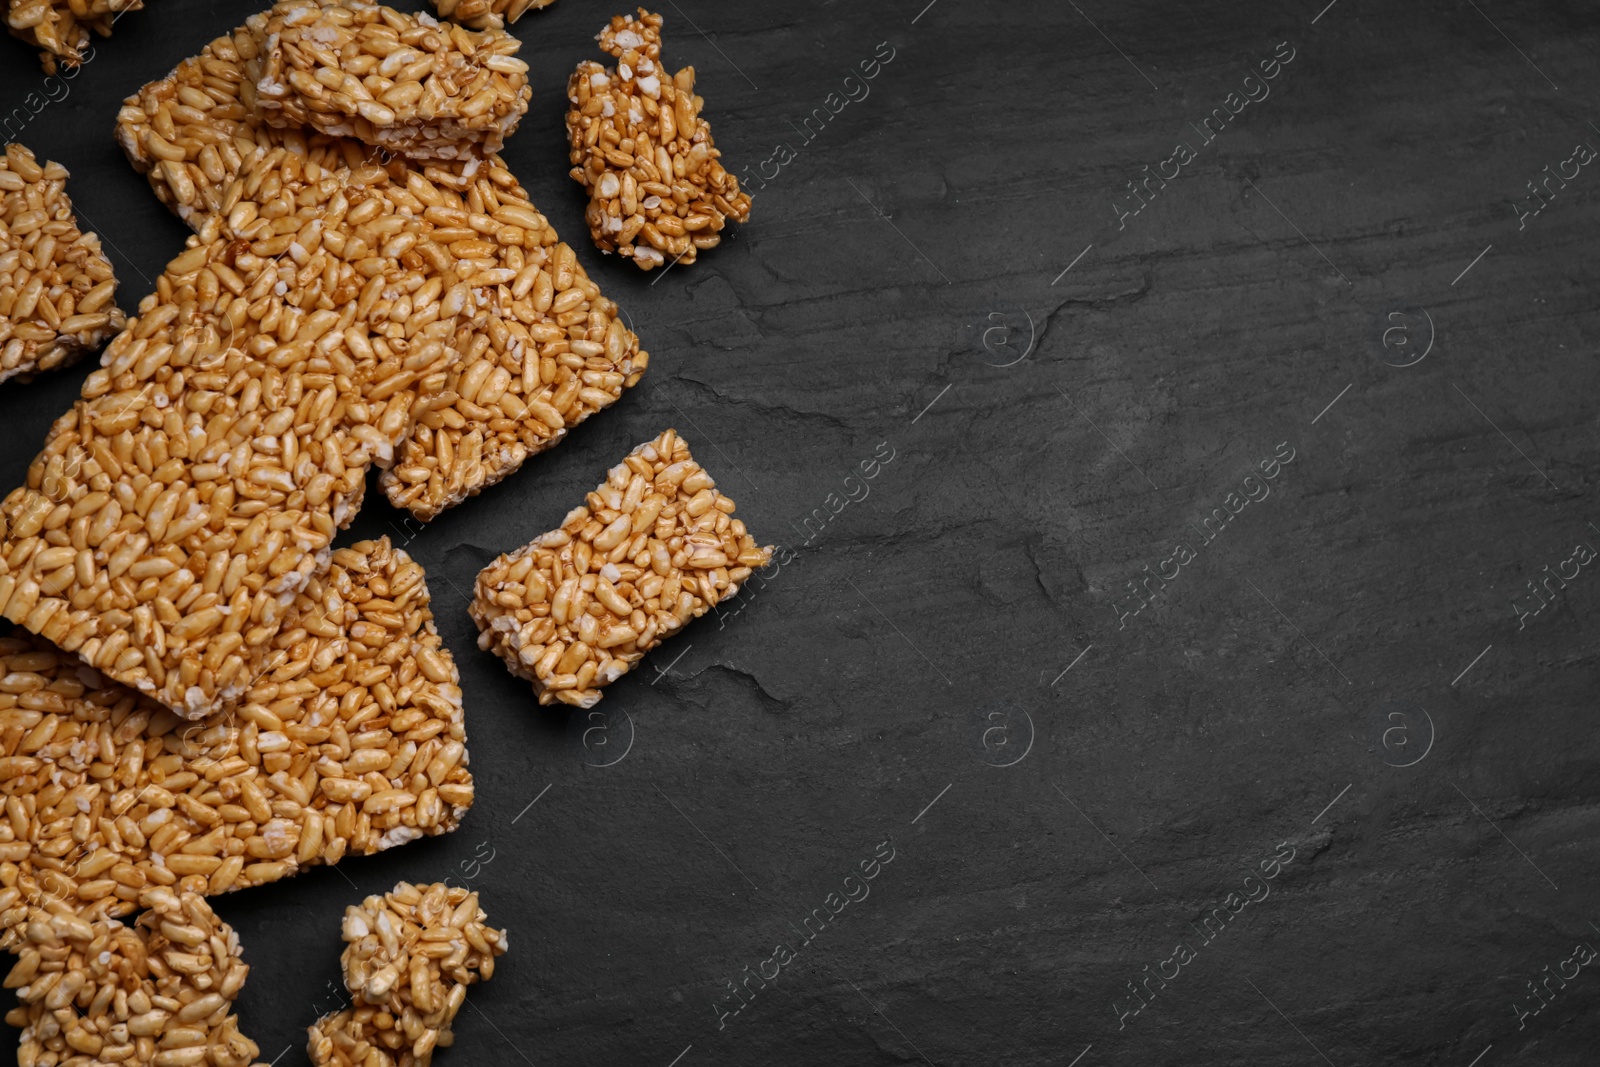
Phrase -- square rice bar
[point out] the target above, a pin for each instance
(654, 546)
(56, 285)
(539, 354)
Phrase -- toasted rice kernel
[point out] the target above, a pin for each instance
(487, 14)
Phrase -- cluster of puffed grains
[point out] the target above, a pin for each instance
(350, 740)
(656, 184)
(56, 285)
(394, 81)
(60, 28)
(159, 992)
(654, 546)
(410, 955)
(367, 287)
(487, 14)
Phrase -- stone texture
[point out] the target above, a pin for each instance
(998, 538)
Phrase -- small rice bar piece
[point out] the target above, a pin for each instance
(147, 993)
(654, 546)
(56, 285)
(410, 955)
(667, 195)
(401, 82)
(350, 741)
(487, 14)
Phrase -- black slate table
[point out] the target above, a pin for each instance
(1179, 422)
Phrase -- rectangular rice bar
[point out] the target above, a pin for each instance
(350, 740)
(654, 546)
(56, 285)
(391, 80)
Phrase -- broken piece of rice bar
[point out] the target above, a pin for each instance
(194, 489)
(60, 28)
(396, 81)
(487, 14)
(159, 991)
(657, 187)
(350, 741)
(56, 285)
(409, 956)
(654, 546)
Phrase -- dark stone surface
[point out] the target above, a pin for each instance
(1359, 617)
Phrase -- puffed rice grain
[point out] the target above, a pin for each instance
(60, 28)
(487, 14)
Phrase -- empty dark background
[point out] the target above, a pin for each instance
(1359, 618)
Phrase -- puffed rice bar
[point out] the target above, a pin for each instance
(410, 955)
(194, 489)
(654, 546)
(500, 406)
(56, 285)
(396, 81)
(159, 992)
(487, 14)
(350, 741)
(60, 28)
(656, 184)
